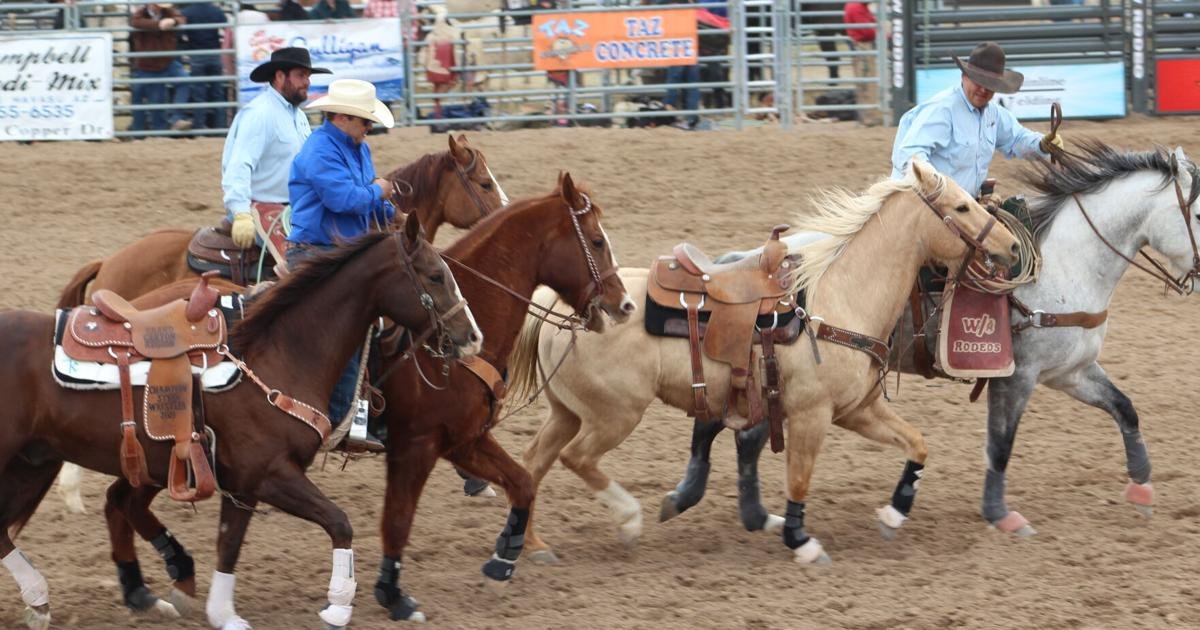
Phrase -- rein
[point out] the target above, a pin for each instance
(463, 172)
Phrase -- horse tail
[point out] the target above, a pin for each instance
(76, 290)
(69, 482)
(523, 362)
(33, 481)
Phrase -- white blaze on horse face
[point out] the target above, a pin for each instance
(627, 303)
(34, 589)
(474, 347)
(503, 197)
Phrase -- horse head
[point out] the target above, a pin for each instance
(582, 258)
(1174, 223)
(423, 291)
(468, 191)
(959, 226)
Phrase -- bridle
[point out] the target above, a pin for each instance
(974, 243)
(436, 336)
(464, 173)
(594, 291)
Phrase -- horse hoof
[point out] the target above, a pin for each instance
(811, 552)
(166, 609)
(496, 587)
(1145, 510)
(1014, 523)
(478, 488)
(74, 503)
(889, 520)
(888, 533)
(774, 524)
(630, 531)
(335, 616)
(1141, 495)
(668, 510)
(181, 602)
(235, 623)
(544, 557)
(37, 618)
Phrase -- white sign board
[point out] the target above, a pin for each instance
(56, 87)
(1085, 90)
(369, 49)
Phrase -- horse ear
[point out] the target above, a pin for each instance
(1178, 158)
(459, 149)
(567, 185)
(412, 230)
(921, 173)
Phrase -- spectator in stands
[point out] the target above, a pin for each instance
(683, 74)
(265, 136)
(249, 14)
(290, 10)
(959, 129)
(154, 31)
(206, 64)
(863, 41)
(331, 10)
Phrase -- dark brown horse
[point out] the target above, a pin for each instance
(262, 454)
(454, 186)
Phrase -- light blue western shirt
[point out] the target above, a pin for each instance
(959, 139)
(332, 189)
(266, 134)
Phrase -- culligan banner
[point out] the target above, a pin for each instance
(369, 49)
(56, 87)
(1085, 90)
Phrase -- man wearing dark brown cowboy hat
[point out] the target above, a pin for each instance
(959, 129)
(265, 136)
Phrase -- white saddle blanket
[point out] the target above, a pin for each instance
(88, 375)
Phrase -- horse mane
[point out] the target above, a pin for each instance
(1094, 165)
(842, 214)
(297, 286)
(483, 230)
(423, 175)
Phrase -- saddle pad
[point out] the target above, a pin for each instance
(665, 321)
(975, 335)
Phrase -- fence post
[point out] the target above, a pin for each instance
(1139, 52)
(781, 22)
(902, 66)
(741, 91)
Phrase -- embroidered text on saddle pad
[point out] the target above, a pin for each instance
(975, 338)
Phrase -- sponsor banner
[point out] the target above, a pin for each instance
(56, 87)
(627, 39)
(1177, 85)
(1085, 90)
(369, 49)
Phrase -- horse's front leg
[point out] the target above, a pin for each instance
(485, 458)
(1007, 398)
(235, 518)
(806, 432)
(127, 509)
(409, 462)
(1094, 388)
(296, 494)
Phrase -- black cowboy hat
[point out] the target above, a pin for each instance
(986, 67)
(285, 59)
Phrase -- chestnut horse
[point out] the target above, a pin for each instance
(856, 273)
(262, 453)
(454, 186)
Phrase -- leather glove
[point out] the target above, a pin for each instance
(1057, 141)
(243, 230)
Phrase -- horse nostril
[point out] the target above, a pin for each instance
(628, 307)
(1015, 249)
(475, 337)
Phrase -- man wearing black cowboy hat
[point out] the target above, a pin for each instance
(265, 136)
(959, 129)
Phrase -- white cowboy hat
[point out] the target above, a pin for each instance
(356, 98)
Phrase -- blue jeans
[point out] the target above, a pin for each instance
(343, 391)
(156, 94)
(208, 66)
(691, 96)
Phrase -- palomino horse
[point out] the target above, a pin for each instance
(453, 421)
(1131, 199)
(857, 277)
(454, 186)
(380, 275)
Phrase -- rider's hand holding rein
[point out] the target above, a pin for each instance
(243, 230)
(1047, 141)
(389, 191)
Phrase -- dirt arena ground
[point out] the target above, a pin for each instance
(1094, 564)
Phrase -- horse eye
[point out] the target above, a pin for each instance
(437, 278)
(486, 185)
(962, 208)
(598, 242)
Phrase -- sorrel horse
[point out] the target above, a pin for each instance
(857, 278)
(1131, 199)
(397, 276)
(454, 186)
(569, 253)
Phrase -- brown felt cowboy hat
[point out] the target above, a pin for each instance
(986, 67)
(285, 59)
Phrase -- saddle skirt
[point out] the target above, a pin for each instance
(975, 336)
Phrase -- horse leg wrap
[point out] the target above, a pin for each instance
(1140, 493)
(508, 546)
(220, 599)
(993, 508)
(133, 587)
(341, 589)
(793, 525)
(388, 592)
(34, 589)
(906, 490)
(179, 564)
(1137, 460)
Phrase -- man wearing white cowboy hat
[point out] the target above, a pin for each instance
(266, 134)
(959, 129)
(336, 196)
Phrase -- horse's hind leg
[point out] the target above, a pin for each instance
(297, 495)
(690, 489)
(410, 459)
(560, 427)
(127, 509)
(23, 487)
(1094, 388)
(219, 609)
(486, 459)
(879, 423)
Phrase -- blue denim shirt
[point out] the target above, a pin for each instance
(266, 134)
(960, 140)
(332, 191)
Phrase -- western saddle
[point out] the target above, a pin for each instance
(733, 295)
(173, 337)
(213, 249)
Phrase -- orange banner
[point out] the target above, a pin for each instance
(627, 39)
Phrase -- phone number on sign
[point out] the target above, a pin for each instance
(40, 111)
